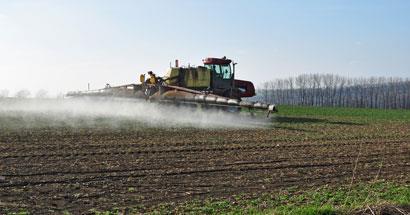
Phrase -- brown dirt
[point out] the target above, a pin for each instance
(49, 170)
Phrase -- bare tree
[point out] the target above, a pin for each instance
(265, 91)
(23, 94)
(334, 90)
(42, 94)
(4, 93)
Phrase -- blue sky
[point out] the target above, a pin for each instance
(61, 45)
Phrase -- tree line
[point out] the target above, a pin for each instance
(4, 93)
(336, 91)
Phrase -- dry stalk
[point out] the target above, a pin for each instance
(400, 211)
(354, 172)
(380, 169)
(371, 210)
(355, 165)
(381, 166)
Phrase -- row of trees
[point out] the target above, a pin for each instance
(23, 94)
(337, 91)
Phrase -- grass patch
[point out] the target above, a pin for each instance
(325, 200)
(355, 114)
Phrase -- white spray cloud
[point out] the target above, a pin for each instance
(23, 113)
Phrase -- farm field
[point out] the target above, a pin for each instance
(84, 169)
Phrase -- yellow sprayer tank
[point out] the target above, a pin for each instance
(191, 77)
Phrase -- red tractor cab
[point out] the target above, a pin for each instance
(223, 79)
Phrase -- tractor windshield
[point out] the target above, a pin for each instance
(222, 71)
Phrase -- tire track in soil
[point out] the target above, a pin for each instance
(196, 162)
(189, 148)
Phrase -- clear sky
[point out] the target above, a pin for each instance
(61, 45)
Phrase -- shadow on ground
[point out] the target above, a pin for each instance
(293, 129)
(285, 119)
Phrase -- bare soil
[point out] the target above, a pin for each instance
(47, 170)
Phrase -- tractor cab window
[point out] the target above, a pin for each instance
(222, 71)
